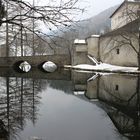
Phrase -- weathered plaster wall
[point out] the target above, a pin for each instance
(116, 50)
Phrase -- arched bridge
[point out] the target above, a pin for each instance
(35, 61)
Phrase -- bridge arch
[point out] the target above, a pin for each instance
(35, 61)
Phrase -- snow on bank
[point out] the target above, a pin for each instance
(105, 67)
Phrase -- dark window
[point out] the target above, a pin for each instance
(117, 87)
(118, 51)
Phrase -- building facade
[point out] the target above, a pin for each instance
(118, 47)
(125, 13)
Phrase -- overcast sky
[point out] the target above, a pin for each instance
(96, 6)
(93, 7)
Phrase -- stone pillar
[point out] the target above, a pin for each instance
(93, 46)
(79, 52)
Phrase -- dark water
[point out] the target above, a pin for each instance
(69, 106)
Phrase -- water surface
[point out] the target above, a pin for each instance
(74, 108)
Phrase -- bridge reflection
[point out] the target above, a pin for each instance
(59, 74)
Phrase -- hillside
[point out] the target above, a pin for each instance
(95, 25)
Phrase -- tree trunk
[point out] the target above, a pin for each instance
(136, 121)
(7, 32)
(138, 60)
(139, 51)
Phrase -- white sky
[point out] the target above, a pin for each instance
(96, 6)
(93, 7)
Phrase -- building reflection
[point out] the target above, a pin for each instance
(119, 96)
(19, 99)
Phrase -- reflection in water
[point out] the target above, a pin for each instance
(18, 102)
(117, 95)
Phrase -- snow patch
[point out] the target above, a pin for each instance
(78, 41)
(105, 66)
(95, 36)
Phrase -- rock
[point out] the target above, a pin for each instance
(49, 66)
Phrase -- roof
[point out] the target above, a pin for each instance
(131, 27)
(122, 4)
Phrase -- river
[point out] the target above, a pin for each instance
(69, 105)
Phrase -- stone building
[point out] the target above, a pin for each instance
(125, 13)
(119, 46)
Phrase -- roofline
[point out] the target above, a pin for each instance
(93, 36)
(117, 9)
(80, 43)
(122, 5)
(128, 28)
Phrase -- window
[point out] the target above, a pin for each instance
(117, 87)
(118, 51)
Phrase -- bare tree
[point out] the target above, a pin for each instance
(2, 12)
(52, 15)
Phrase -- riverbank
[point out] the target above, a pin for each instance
(104, 68)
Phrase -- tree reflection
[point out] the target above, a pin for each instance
(18, 102)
